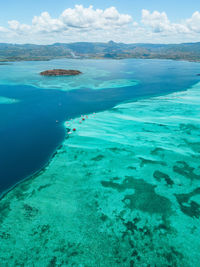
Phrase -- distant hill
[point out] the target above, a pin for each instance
(19, 52)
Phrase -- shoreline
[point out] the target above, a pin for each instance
(7, 61)
(35, 174)
(97, 190)
(135, 99)
(42, 169)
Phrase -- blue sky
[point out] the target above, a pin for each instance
(24, 10)
(160, 27)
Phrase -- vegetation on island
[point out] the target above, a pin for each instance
(112, 50)
(60, 72)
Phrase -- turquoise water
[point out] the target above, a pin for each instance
(95, 75)
(142, 166)
(123, 190)
(7, 100)
(32, 126)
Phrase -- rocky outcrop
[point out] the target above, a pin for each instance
(60, 72)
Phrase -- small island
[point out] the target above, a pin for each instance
(60, 72)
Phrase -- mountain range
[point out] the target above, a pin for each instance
(19, 52)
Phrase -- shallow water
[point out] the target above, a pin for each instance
(7, 100)
(32, 124)
(124, 190)
(99, 74)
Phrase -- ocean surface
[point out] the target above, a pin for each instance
(124, 188)
(33, 108)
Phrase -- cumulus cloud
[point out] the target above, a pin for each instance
(89, 24)
(18, 27)
(44, 23)
(81, 17)
(159, 23)
(193, 23)
(156, 20)
(78, 17)
(72, 23)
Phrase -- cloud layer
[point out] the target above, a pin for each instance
(89, 24)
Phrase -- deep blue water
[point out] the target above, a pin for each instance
(29, 133)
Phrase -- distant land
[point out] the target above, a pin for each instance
(112, 50)
(60, 72)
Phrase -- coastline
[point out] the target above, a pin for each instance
(43, 168)
(34, 175)
(67, 136)
(124, 83)
(114, 182)
(7, 61)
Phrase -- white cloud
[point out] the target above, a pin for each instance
(89, 24)
(77, 17)
(156, 20)
(159, 23)
(18, 27)
(44, 23)
(194, 22)
(71, 25)
(80, 17)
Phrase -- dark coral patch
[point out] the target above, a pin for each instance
(159, 176)
(158, 151)
(195, 146)
(150, 161)
(30, 211)
(144, 197)
(131, 168)
(185, 170)
(98, 158)
(4, 210)
(188, 207)
(43, 186)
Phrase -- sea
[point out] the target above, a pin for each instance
(121, 190)
(33, 108)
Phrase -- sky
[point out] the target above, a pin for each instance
(128, 21)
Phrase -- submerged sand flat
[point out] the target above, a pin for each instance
(95, 74)
(7, 100)
(124, 190)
